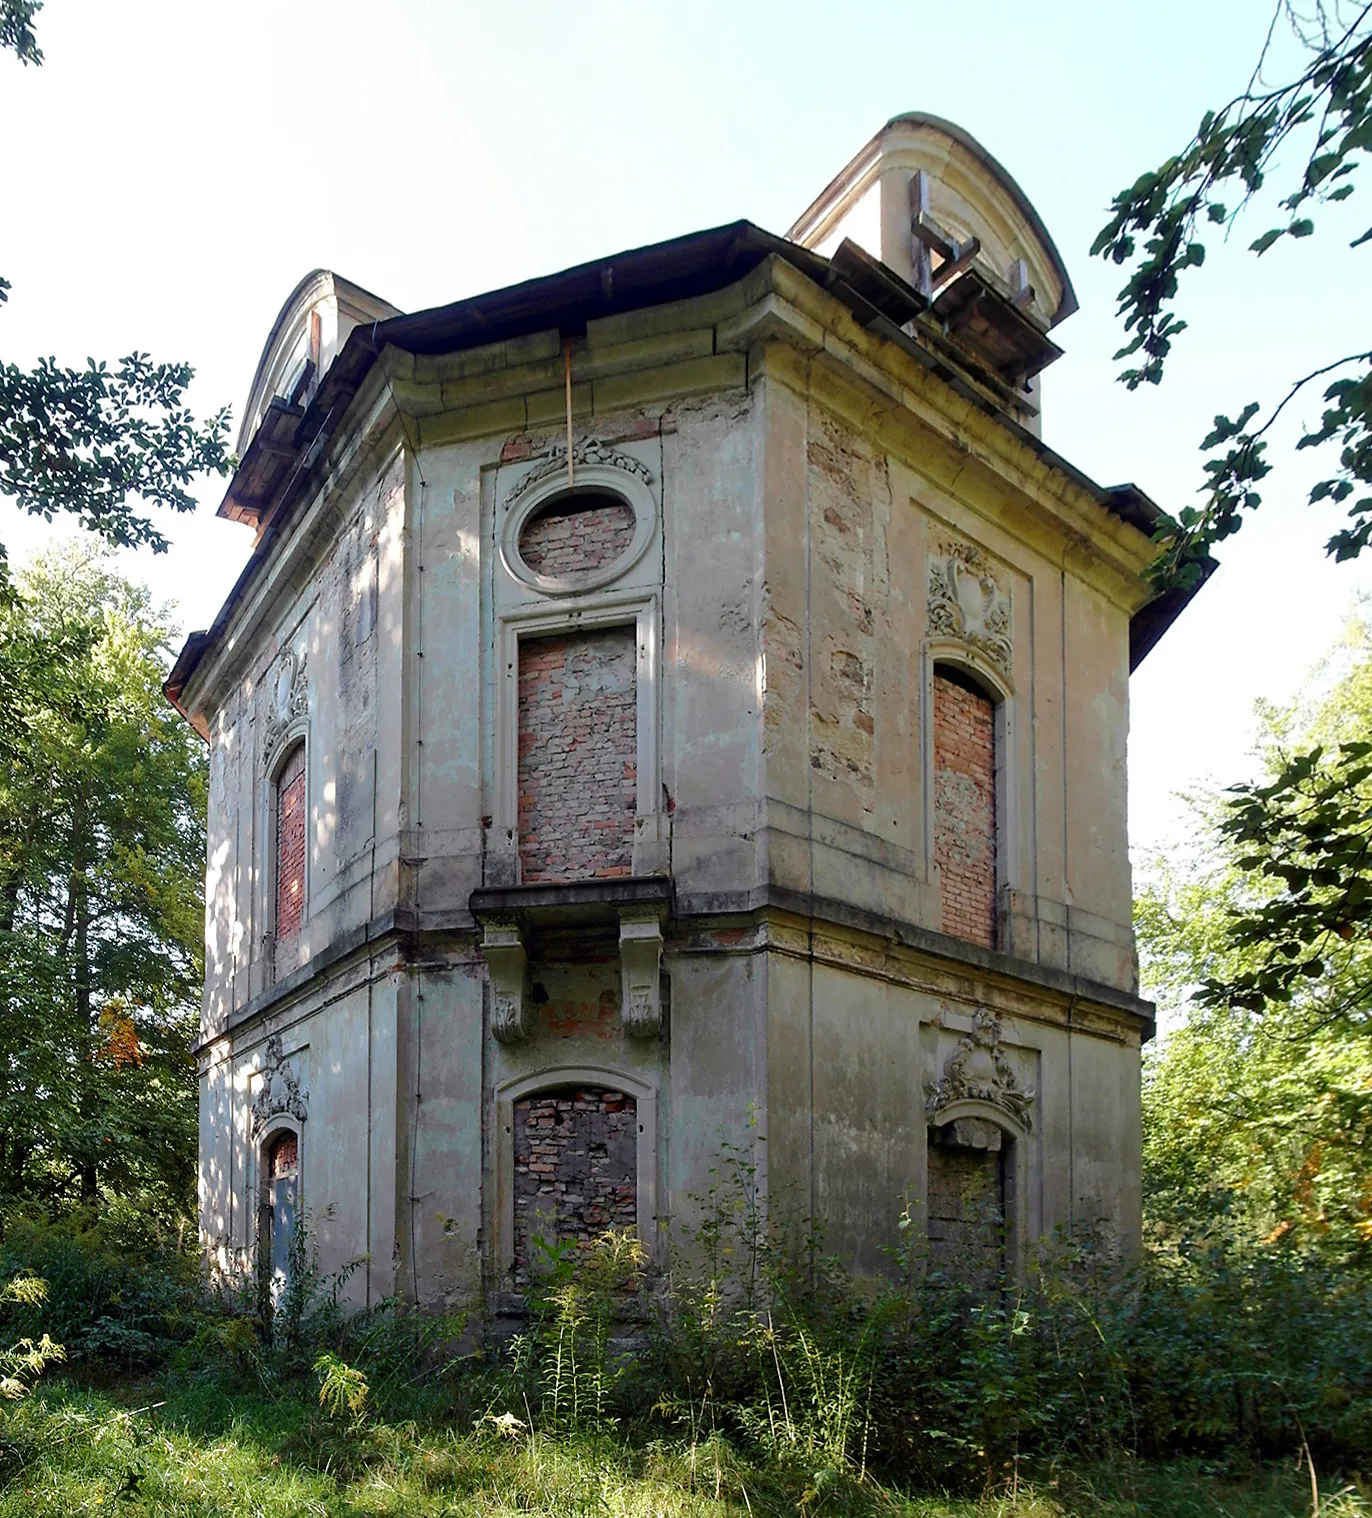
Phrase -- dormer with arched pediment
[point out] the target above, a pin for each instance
(308, 334)
(937, 210)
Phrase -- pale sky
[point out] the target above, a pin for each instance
(174, 168)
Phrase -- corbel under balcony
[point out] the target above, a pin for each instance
(514, 918)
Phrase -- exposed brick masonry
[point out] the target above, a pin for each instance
(290, 845)
(575, 1168)
(966, 1208)
(965, 809)
(577, 535)
(578, 755)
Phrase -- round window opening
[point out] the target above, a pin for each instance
(578, 535)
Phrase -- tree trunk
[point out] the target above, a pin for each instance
(79, 921)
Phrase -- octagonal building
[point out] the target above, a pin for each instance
(676, 702)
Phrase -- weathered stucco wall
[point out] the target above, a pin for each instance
(810, 525)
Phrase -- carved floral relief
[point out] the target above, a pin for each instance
(588, 451)
(968, 603)
(280, 1093)
(290, 698)
(979, 1070)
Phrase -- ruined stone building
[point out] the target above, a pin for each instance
(676, 701)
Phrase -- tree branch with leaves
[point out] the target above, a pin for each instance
(104, 442)
(1157, 226)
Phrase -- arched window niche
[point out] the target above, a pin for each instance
(970, 800)
(279, 1202)
(576, 1154)
(976, 1192)
(288, 830)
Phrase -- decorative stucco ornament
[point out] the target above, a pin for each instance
(290, 699)
(978, 1070)
(507, 966)
(966, 602)
(281, 1092)
(587, 452)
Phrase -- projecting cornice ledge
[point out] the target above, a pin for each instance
(817, 909)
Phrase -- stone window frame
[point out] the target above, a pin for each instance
(966, 659)
(591, 478)
(557, 1078)
(1017, 1177)
(297, 735)
(639, 610)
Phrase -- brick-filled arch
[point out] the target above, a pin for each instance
(575, 1168)
(966, 825)
(289, 812)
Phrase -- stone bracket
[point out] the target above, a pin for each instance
(640, 967)
(508, 965)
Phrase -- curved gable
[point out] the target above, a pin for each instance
(970, 194)
(310, 328)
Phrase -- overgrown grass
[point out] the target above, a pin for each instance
(192, 1451)
(753, 1377)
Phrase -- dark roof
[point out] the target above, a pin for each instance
(275, 468)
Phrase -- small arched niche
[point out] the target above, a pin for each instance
(278, 1202)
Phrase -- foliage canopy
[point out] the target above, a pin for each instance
(102, 796)
(1324, 115)
(102, 442)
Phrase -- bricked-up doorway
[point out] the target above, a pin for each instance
(965, 805)
(966, 1205)
(578, 754)
(575, 1170)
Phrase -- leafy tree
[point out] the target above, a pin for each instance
(1302, 838)
(102, 792)
(1258, 1107)
(1322, 116)
(104, 441)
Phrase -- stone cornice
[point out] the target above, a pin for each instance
(793, 923)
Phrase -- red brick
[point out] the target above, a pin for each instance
(578, 755)
(577, 535)
(965, 809)
(290, 845)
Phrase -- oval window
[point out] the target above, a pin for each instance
(577, 535)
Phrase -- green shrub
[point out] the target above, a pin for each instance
(118, 1293)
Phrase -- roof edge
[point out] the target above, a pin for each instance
(695, 264)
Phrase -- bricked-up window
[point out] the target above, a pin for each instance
(966, 1209)
(577, 535)
(578, 754)
(575, 1170)
(290, 844)
(965, 805)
